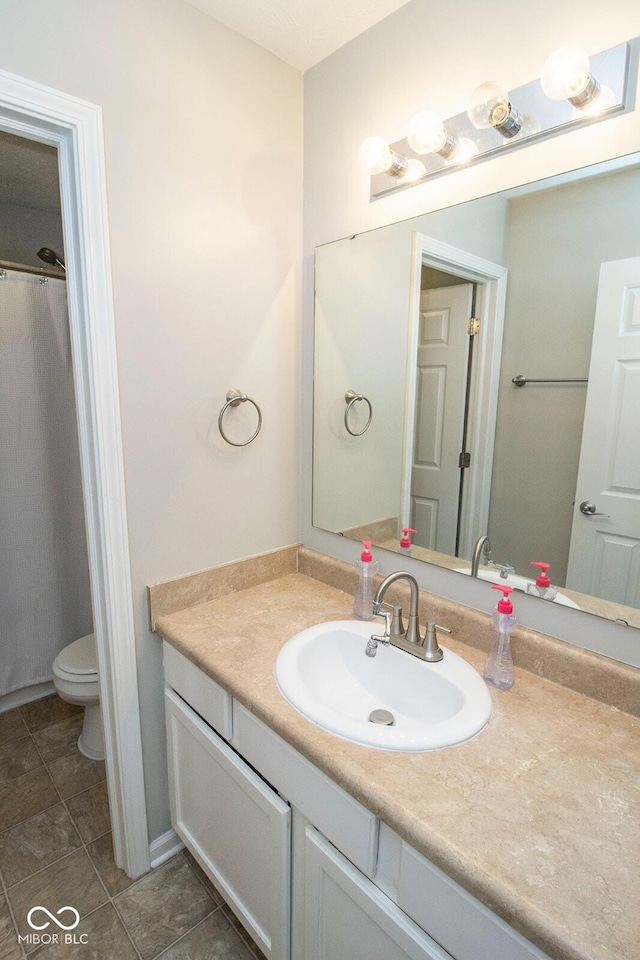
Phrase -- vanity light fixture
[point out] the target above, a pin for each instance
(415, 171)
(490, 106)
(376, 156)
(466, 150)
(427, 134)
(574, 90)
(567, 75)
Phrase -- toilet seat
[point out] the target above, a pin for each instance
(78, 662)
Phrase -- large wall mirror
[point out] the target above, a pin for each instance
(421, 329)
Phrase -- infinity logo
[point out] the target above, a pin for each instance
(62, 926)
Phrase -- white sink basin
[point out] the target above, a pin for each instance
(324, 673)
(517, 582)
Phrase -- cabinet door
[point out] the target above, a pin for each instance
(346, 916)
(235, 825)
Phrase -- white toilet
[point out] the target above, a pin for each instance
(75, 677)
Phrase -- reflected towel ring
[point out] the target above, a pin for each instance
(350, 398)
(234, 398)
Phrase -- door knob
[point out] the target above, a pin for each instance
(589, 509)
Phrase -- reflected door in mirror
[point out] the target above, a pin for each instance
(604, 559)
(439, 415)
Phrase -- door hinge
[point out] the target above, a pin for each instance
(473, 326)
(464, 460)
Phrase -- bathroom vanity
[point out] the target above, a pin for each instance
(520, 844)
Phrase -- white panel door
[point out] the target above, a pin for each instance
(604, 559)
(440, 399)
(235, 825)
(348, 918)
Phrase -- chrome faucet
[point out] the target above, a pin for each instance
(375, 639)
(409, 639)
(482, 546)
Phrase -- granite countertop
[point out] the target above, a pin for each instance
(537, 816)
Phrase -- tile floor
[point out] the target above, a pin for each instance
(55, 851)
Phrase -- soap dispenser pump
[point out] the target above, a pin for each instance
(363, 600)
(498, 669)
(542, 587)
(405, 541)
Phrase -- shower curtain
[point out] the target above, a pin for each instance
(44, 578)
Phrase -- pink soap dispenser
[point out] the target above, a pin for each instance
(542, 587)
(405, 541)
(498, 670)
(366, 567)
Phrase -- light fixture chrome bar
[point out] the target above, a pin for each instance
(448, 148)
(592, 88)
(511, 124)
(611, 69)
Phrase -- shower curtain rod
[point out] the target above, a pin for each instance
(26, 268)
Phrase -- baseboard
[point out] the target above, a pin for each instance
(164, 847)
(19, 697)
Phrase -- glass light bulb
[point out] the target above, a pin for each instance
(414, 172)
(426, 132)
(488, 105)
(465, 150)
(375, 155)
(566, 73)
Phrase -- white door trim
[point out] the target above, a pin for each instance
(74, 127)
(485, 375)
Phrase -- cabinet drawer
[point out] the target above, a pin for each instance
(235, 825)
(465, 927)
(205, 696)
(347, 824)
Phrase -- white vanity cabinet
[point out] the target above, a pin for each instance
(346, 915)
(310, 872)
(234, 823)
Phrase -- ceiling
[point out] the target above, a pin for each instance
(300, 32)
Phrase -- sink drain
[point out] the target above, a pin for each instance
(383, 717)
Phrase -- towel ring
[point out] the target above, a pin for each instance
(234, 398)
(350, 398)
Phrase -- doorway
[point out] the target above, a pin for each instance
(45, 600)
(74, 128)
(453, 410)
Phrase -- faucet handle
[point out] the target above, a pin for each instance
(432, 651)
(504, 568)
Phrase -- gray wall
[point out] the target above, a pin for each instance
(24, 230)
(555, 243)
